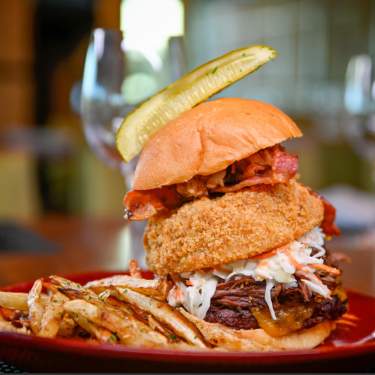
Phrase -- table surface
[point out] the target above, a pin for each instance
(106, 244)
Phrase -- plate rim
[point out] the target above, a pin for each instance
(74, 346)
(69, 346)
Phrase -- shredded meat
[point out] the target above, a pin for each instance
(239, 319)
(234, 300)
(243, 292)
(305, 291)
(328, 309)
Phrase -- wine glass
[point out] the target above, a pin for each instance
(115, 80)
(103, 104)
(360, 104)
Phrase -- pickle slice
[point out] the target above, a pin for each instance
(188, 91)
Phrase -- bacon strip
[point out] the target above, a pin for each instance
(256, 180)
(328, 224)
(142, 204)
(269, 166)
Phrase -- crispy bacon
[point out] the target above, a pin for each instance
(216, 179)
(246, 183)
(142, 204)
(194, 188)
(269, 166)
(328, 225)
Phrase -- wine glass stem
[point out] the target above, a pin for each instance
(373, 173)
(136, 228)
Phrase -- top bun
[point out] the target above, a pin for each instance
(208, 138)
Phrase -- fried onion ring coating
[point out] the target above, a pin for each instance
(209, 232)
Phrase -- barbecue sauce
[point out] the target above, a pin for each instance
(289, 319)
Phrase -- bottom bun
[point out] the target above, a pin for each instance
(257, 340)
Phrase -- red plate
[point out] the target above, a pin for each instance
(339, 353)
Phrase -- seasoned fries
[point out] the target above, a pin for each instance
(129, 330)
(156, 288)
(36, 308)
(67, 326)
(78, 311)
(53, 315)
(9, 327)
(134, 269)
(121, 309)
(165, 314)
(16, 301)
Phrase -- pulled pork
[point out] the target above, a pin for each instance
(239, 303)
(269, 166)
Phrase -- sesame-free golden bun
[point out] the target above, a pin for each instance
(208, 138)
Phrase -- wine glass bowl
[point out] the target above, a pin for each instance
(115, 80)
(359, 101)
(103, 106)
(102, 103)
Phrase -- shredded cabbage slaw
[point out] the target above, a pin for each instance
(197, 288)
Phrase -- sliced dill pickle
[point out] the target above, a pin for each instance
(188, 91)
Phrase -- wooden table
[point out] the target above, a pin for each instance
(91, 245)
(84, 245)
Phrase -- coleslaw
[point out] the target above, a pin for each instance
(196, 289)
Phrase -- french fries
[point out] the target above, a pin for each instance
(67, 326)
(134, 269)
(163, 313)
(9, 327)
(156, 288)
(36, 308)
(77, 312)
(127, 329)
(117, 320)
(121, 309)
(16, 301)
(52, 316)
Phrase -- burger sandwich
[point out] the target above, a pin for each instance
(240, 239)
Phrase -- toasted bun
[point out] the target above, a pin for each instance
(257, 339)
(208, 138)
(209, 232)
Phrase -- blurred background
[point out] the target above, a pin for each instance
(55, 160)
(46, 165)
